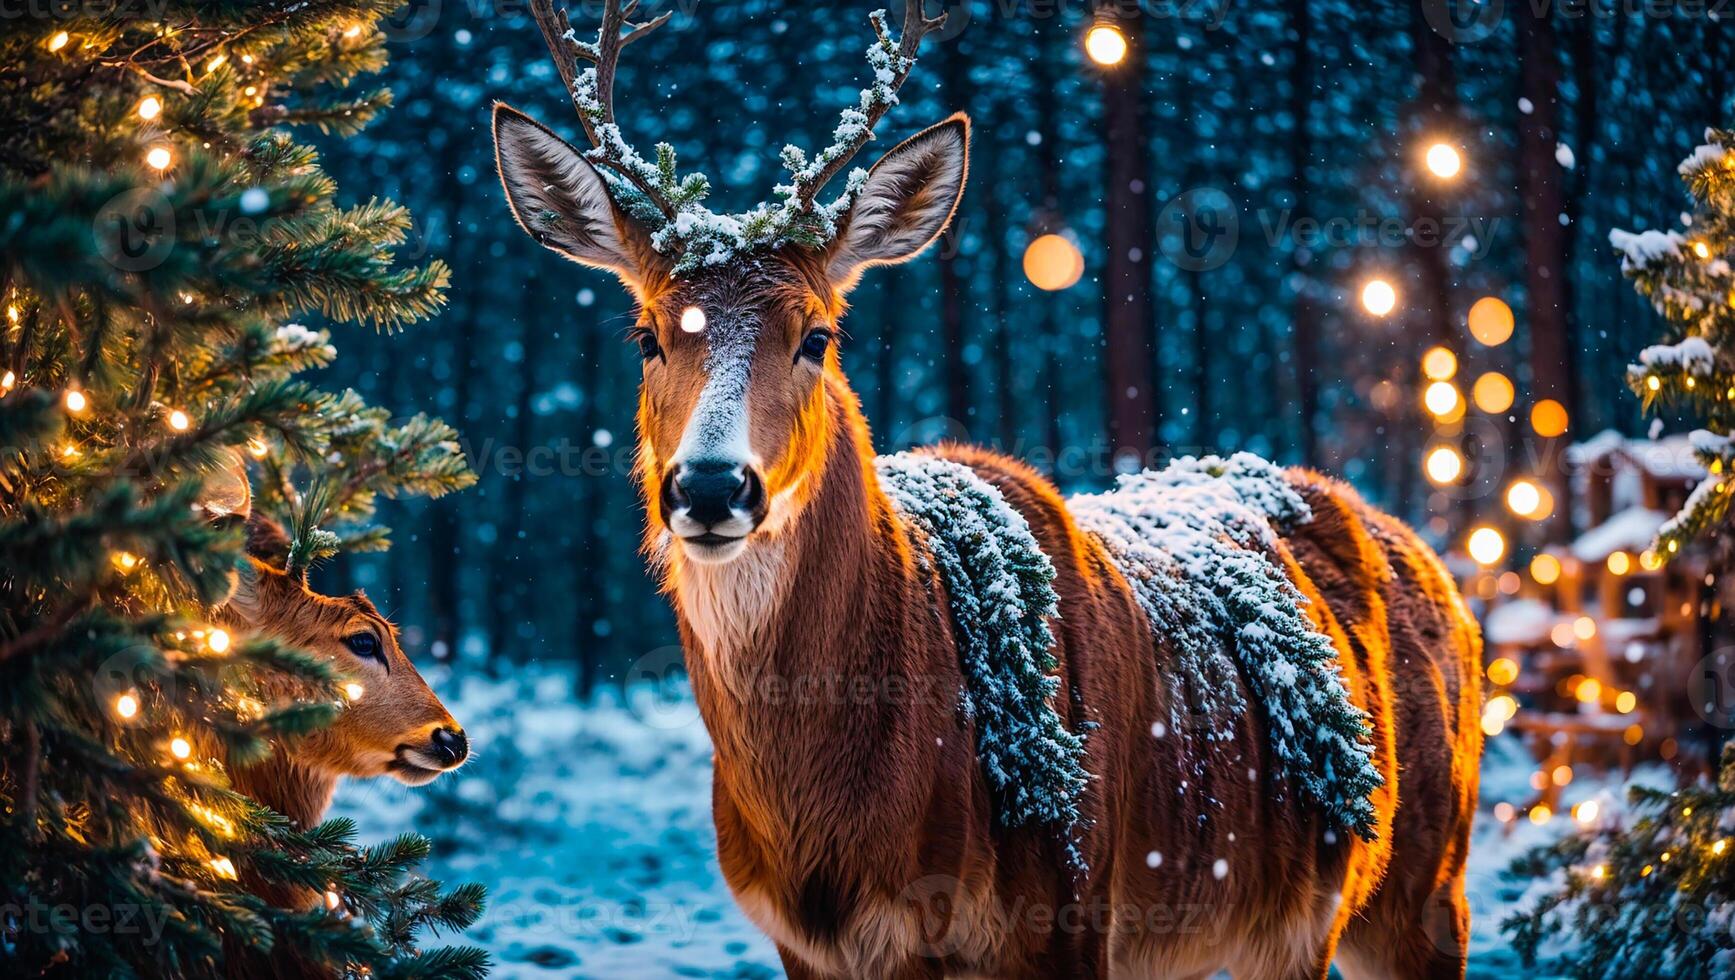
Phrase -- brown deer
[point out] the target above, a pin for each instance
(392, 723)
(854, 831)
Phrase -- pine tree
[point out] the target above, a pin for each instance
(1654, 897)
(1645, 901)
(160, 230)
(1687, 276)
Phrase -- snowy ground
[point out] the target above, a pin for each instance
(592, 830)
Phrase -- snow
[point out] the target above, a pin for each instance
(1524, 622)
(1632, 529)
(1196, 541)
(591, 827)
(1692, 355)
(999, 586)
(1640, 249)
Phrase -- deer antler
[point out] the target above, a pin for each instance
(891, 62)
(592, 91)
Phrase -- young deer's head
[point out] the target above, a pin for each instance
(393, 723)
(740, 363)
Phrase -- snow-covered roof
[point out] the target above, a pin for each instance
(1632, 529)
(1522, 621)
(1668, 458)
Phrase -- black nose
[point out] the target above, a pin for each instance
(711, 492)
(450, 745)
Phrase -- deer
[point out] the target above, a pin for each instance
(392, 723)
(859, 833)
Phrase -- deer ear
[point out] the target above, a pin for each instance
(909, 196)
(561, 200)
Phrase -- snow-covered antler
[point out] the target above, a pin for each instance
(592, 90)
(891, 61)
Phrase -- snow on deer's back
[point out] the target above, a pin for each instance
(1223, 717)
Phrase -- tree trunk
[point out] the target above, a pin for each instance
(1304, 336)
(1129, 333)
(1545, 308)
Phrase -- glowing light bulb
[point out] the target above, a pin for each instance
(1541, 814)
(1444, 465)
(75, 401)
(180, 748)
(1439, 363)
(1493, 392)
(58, 41)
(7, 381)
(1491, 321)
(1524, 498)
(179, 421)
(1720, 846)
(126, 706)
(1548, 418)
(126, 561)
(1441, 398)
(1486, 545)
(1105, 44)
(1619, 563)
(1052, 262)
(1379, 297)
(1545, 569)
(159, 158)
(1702, 250)
(257, 447)
(218, 641)
(1625, 702)
(692, 319)
(332, 901)
(1586, 812)
(223, 867)
(353, 691)
(353, 30)
(150, 107)
(1503, 671)
(1444, 160)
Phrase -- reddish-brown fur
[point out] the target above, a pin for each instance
(854, 824)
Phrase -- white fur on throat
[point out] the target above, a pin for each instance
(729, 605)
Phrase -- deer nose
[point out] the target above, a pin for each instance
(450, 746)
(711, 492)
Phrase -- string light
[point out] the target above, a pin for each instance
(1619, 563)
(1439, 363)
(332, 900)
(1720, 846)
(1444, 465)
(1524, 497)
(1654, 383)
(353, 691)
(1493, 392)
(126, 706)
(224, 867)
(179, 421)
(216, 63)
(1586, 812)
(58, 41)
(159, 158)
(1444, 161)
(126, 561)
(1379, 297)
(1702, 250)
(1491, 321)
(1105, 44)
(1052, 262)
(1541, 814)
(1625, 702)
(75, 401)
(1545, 569)
(1548, 418)
(218, 641)
(692, 319)
(7, 381)
(1442, 398)
(150, 107)
(354, 30)
(1503, 671)
(257, 447)
(180, 748)
(1486, 545)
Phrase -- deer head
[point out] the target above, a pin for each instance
(738, 315)
(393, 724)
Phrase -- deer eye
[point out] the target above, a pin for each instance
(365, 645)
(647, 341)
(814, 344)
